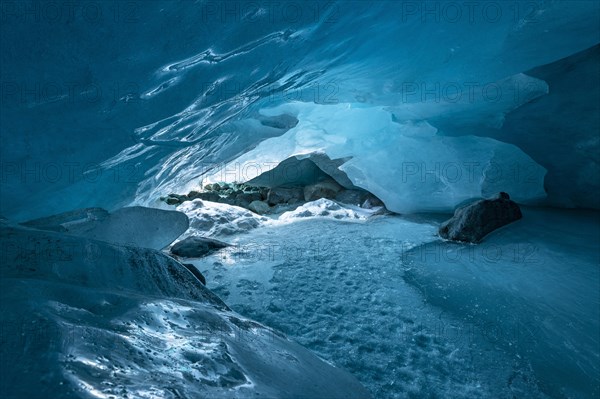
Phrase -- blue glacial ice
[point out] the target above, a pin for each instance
(425, 105)
(171, 108)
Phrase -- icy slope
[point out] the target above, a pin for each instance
(86, 319)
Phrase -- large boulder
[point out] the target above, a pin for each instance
(244, 199)
(472, 222)
(280, 195)
(209, 196)
(192, 195)
(174, 199)
(259, 207)
(324, 189)
(197, 247)
(170, 200)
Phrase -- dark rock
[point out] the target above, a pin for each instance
(279, 121)
(471, 223)
(244, 199)
(264, 193)
(243, 204)
(193, 195)
(331, 168)
(325, 189)
(229, 200)
(194, 270)
(173, 199)
(208, 187)
(209, 196)
(196, 247)
(281, 195)
(216, 187)
(259, 207)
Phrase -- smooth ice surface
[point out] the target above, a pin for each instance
(137, 226)
(85, 319)
(535, 284)
(571, 106)
(413, 316)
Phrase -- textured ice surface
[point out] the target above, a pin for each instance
(83, 318)
(137, 226)
(338, 288)
(188, 106)
(412, 316)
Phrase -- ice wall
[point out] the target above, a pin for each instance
(560, 130)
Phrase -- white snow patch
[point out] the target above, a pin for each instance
(325, 208)
(212, 219)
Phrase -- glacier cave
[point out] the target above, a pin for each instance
(299, 199)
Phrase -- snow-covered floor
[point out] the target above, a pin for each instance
(412, 316)
(377, 295)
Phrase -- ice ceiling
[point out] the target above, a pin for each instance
(431, 103)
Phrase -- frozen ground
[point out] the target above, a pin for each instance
(515, 317)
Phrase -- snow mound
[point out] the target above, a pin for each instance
(325, 208)
(212, 219)
(85, 318)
